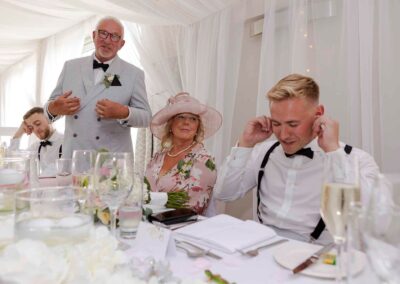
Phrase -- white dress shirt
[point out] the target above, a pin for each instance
(48, 154)
(290, 191)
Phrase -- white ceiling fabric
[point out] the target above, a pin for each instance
(23, 23)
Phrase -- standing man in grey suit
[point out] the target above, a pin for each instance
(101, 95)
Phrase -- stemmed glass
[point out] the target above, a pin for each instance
(340, 189)
(82, 173)
(381, 231)
(113, 181)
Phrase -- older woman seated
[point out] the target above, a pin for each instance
(183, 164)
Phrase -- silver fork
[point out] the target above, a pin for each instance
(254, 252)
(194, 252)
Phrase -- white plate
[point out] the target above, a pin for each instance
(292, 254)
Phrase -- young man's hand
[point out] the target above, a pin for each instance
(257, 130)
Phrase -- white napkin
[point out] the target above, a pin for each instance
(225, 233)
(158, 198)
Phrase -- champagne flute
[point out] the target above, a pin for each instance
(82, 173)
(340, 189)
(113, 181)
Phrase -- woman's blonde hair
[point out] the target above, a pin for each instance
(294, 86)
(166, 140)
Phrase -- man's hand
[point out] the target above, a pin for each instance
(327, 131)
(257, 130)
(64, 105)
(109, 109)
(23, 129)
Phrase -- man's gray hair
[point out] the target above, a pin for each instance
(115, 20)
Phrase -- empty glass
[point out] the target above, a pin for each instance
(113, 181)
(381, 232)
(82, 173)
(64, 172)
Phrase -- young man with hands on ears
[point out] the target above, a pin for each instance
(287, 172)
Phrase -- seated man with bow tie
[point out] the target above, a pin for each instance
(288, 173)
(49, 148)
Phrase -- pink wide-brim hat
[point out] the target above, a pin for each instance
(184, 103)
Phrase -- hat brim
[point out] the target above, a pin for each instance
(210, 118)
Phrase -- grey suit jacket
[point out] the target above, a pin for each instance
(84, 130)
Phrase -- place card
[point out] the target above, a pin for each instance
(153, 241)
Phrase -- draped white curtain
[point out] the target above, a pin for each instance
(57, 49)
(202, 58)
(351, 49)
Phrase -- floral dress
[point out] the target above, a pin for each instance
(195, 173)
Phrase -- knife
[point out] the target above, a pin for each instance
(312, 259)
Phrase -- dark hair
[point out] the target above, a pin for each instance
(33, 111)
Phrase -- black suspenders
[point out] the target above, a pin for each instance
(59, 151)
(321, 225)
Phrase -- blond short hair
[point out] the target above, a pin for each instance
(294, 86)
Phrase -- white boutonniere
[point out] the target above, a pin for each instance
(109, 79)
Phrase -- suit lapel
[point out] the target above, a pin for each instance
(93, 91)
(87, 74)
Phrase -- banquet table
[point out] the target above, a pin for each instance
(238, 268)
(242, 269)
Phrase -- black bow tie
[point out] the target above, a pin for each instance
(100, 65)
(305, 152)
(45, 143)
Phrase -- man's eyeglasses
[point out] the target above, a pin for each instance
(183, 117)
(104, 35)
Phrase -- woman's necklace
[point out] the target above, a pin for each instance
(181, 151)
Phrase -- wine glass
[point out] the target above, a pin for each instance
(113, 181)
(340, 189)
(82, 173)
(381, 231)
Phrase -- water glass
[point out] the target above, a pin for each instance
(51, 215)
(64, 172)
(130, 213)
(14, 176)
(129, 216)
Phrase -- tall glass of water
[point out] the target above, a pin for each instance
(14, 176)
(130, 212)
(340, 189)
(113, 180)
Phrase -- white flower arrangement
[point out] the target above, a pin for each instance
(97, 260)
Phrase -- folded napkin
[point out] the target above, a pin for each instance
(225, 233)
